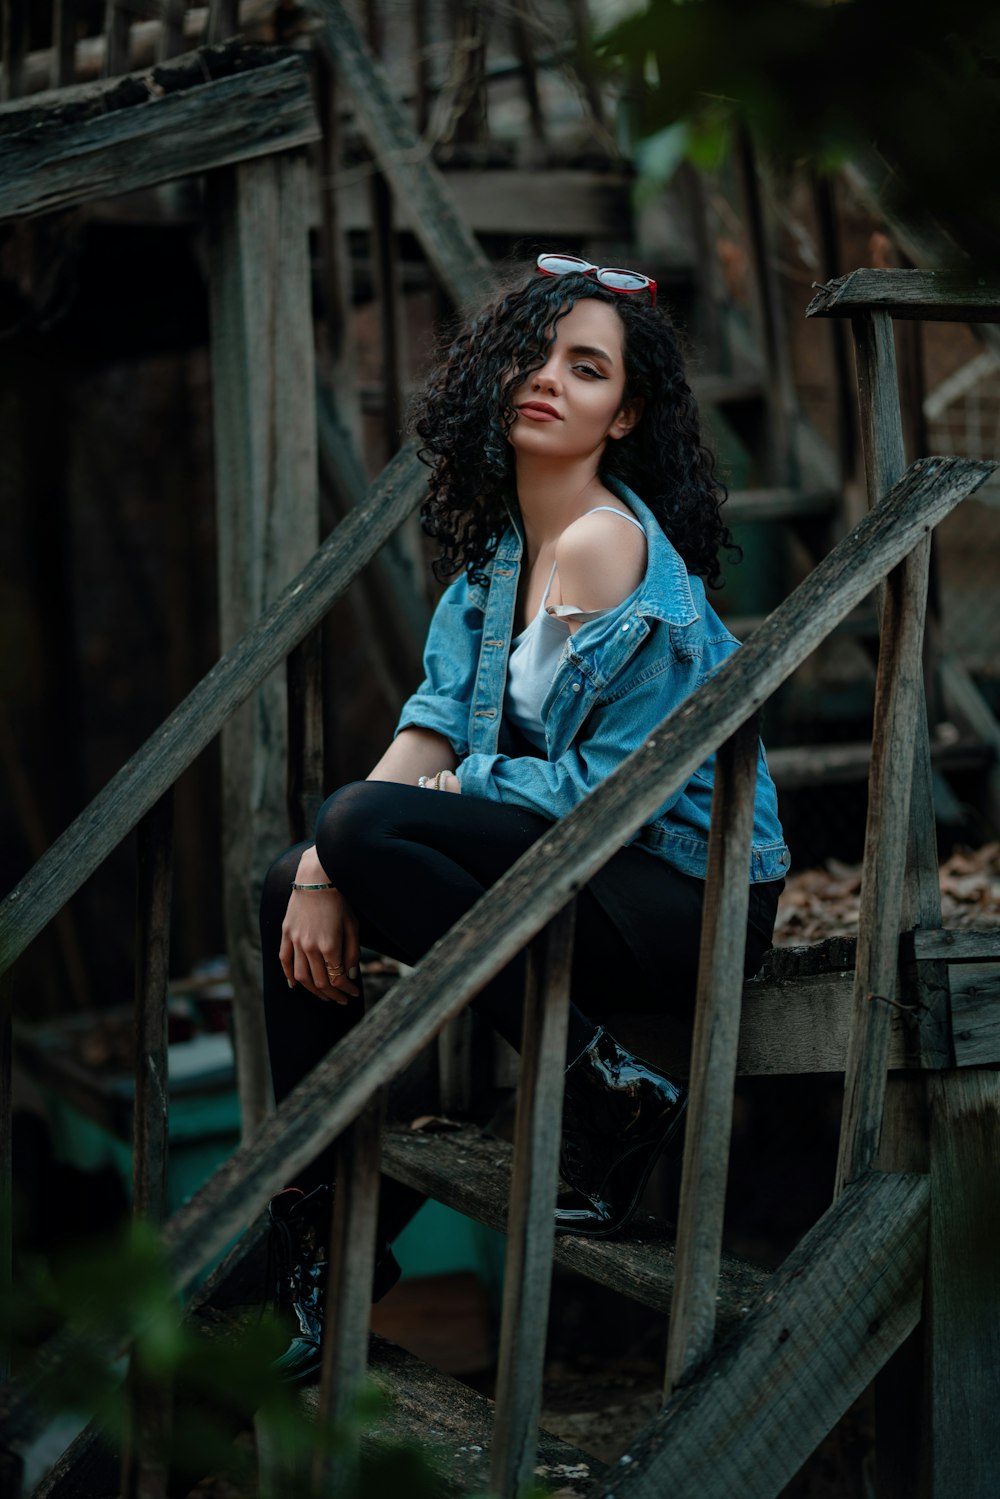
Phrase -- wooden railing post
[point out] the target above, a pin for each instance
(713, 1057)
(530, 1227)
(144, 1468)
(6, 1150)
(267, 502)
(349, 1291)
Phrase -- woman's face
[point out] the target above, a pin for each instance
(572, 405)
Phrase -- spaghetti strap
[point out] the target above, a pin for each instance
(625, 515)
(548, 590)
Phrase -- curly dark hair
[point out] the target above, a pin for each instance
(465, 413)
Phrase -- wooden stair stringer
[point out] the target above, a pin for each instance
(470, 1171)
(842, 1303)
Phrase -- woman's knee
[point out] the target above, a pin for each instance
(352, 818)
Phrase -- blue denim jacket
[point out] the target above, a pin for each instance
(618, 677)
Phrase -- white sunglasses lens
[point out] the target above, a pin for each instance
(623, 280)
(562, 265)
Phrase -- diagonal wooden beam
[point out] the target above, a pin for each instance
(405, 161)
(135, 132)
(838, 1308)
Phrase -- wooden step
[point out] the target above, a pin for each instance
(827, 764)
(745, 505)
(470, 1171)
(453, 1425)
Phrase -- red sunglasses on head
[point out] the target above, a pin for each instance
(613, 277)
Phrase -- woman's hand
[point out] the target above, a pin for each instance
(319, 937)
(445, 780)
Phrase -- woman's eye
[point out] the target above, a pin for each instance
(588, 369)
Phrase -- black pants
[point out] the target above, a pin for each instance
(411, 862)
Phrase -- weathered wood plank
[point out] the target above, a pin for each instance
(53, 161)
(452, 250)
(713, 1058)
(844, 764)
(900, 863)
(786, 503)
(471, 1172)
(965, 701)
(844, 1299)
(223, 19)
(349, 1291)
(963, 1293)
(152, 970)
(896, 699)
(6, 1149)
(171, 39)
(14, 40)
(64, 18)
(454, 1427)
(117, 25)
(534, 1186)
(267, 503)
(934, 296)
(305, 780)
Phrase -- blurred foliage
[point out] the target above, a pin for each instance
(118, 1296)
(817, 83)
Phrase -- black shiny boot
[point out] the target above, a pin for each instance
(300, 1224)
(619, 1113)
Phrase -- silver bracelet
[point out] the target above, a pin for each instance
(297, 886)
(422, 781)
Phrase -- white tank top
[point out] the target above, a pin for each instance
(535, 654)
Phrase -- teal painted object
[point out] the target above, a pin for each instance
(439, 1241)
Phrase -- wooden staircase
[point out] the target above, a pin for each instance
(758, 1368)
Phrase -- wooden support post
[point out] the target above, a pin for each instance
(171, 28)
(266, 484)
(384, 275)
(223, 19)
(782, 459)
(824, 198)
(421, 66)
(530, 1227)
(144, 1465)
(349, 1288)
(64, 18)
(305, 735)
(713, 1058)
(152, 965)
(6, 1152)
(897, 696)
(579, 12)
(117, 26)
(963, 1289)
(521, 17)
(14, 28)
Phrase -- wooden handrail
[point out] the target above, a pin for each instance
(178, 741)
(933, 296)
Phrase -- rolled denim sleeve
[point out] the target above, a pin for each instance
(608, 736)
(451, 654)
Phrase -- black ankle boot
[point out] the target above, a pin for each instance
(619, 1113)
(300, 1225)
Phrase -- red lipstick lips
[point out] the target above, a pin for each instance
(540, 411)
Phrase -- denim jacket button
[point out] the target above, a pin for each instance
(574, 687)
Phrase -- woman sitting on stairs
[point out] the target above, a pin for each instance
(573, 500)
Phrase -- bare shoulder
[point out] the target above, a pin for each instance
(601, 559)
